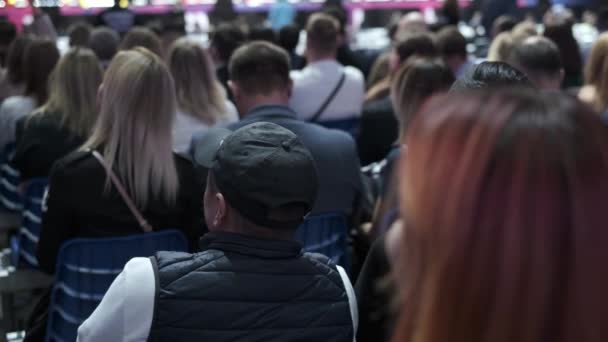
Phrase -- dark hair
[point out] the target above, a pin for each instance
(289, 36)
(559, 30)
(517, 241)
(260, 68)
(503, 23)
(536, 56)
(322, 32)
(104, 42)
(339, 14)
(263, 33)
(225, 39)
(415, 44)
(144, 37)
(491, 74)
(450, 42)
(39, 61)
(451, 12)
(79, 34)
(14, 59)
(8, 32)
(602, 19)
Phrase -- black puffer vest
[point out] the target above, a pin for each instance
(244, 289)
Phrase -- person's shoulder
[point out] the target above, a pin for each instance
(328, 134)
(14, 101)
(353, 73)
(382, 105)
(74, 164)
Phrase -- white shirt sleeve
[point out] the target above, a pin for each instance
(126, 311)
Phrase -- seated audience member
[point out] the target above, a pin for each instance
(558, 28)
(133, 137)
(142, 37)
(117, 18)
(452, 47)
(12, 79)
(522, 227)
(201, 99)
(251, 277)
(325, 90)
(224, 40)
(491, 75)
(595, 90)
(261, 86)
(39, 59)
(408, 45)
(65, 120)
(501, 47)
(79, 34)
(539, 58)
(104, 42)
(289, 37)
(411, 22)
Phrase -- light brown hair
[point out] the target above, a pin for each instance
(322, 31)
(596, 73)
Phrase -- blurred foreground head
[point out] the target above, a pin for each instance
(503, 197)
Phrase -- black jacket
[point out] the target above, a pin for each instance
(241, 288)
(378, 131)
(41, 141)
(78, 206)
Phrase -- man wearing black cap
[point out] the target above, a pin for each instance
(251, 281)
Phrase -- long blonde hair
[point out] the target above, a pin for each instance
(596, 73)
(73, 91)
(134, 127)
(198, 91)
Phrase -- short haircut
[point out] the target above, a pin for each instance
(322, 32)
(536, 57)
(417, 44)
(263, 33)
(225, 39)
(490, 75)
(450, 42)
(289, 37)
(79, 34)
(104, 42)
(260, 68)
(142, 37)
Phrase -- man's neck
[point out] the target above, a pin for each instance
(314, 58)
(246, 105)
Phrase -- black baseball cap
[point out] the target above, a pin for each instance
(263, 171)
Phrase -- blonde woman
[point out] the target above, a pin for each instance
(133, 138)
(595, 90)
(201, 99)
(501, 47)
(64, 121)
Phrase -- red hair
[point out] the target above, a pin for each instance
(504, 199)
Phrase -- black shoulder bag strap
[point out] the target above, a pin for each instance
(329, 98)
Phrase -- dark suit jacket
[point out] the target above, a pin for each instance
(378, 131)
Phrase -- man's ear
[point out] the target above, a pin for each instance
(234, 88)
(220, 214)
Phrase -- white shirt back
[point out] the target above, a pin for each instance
(313, 85)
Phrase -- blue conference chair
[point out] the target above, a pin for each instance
(10, 198)
(350, 125)
(25, 243)
(87, 267)
(326, 234)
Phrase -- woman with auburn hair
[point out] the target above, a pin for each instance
(201, 99)
(503, 199)
(132, 137)
(65, 121)
(595, 90)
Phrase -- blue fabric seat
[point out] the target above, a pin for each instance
(326, 234)
(24, 245)
(10, 197)
(87, 267)
(350, 125)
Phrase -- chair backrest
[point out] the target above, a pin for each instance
(10, 198)
(326, 234)
(87, 267)
(350, 125)
(31, 218)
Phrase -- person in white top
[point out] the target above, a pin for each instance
(201, 99)
(325, 90)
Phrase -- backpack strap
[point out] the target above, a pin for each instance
(352, 300)
(330, 98)
(145, 226)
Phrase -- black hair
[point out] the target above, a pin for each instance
(14, 59)
(263, 33)
(104, 42)
(415, 44)
(492, 74)
(560, 32)
(79, 34)
(8, 33)
(602, 19)
(260, 68)
(225, 39)
(536, 56)
(289, 37)
(450, 42)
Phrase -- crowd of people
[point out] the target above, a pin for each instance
(474, 189)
